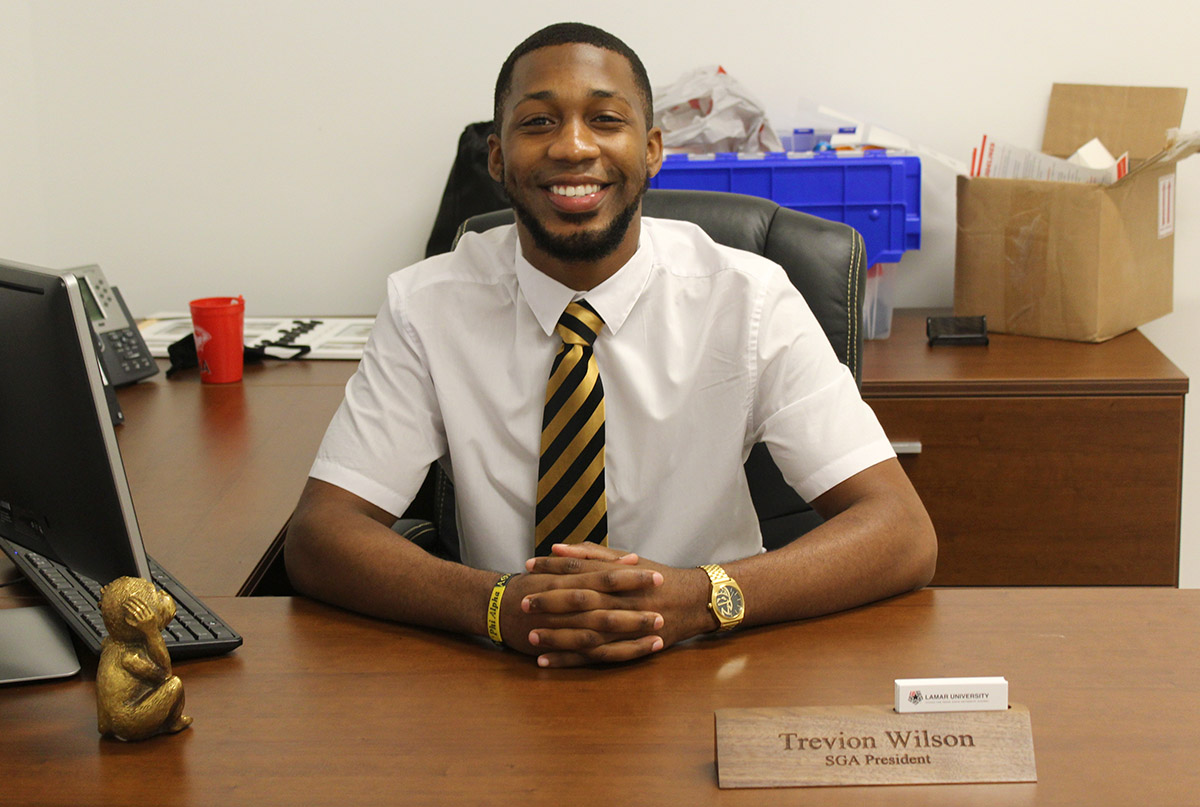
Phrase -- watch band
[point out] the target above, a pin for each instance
(716, 574)
(720, 579)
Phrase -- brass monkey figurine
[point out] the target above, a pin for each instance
(137, 697)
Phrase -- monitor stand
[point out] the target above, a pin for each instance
(34, 645)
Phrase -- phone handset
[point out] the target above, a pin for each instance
(123, 353)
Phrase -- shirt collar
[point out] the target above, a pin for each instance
(613, 299)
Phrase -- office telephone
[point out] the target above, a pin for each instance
(123, 353)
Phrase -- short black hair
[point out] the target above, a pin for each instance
(568, 33)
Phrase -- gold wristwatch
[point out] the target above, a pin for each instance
(727, 603)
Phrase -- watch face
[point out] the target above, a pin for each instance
(729, 602)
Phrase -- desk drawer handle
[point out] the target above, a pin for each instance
(906, 446)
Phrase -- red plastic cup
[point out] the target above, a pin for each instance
(217, 324)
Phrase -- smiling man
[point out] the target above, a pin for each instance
(593, 382)
(576, 190)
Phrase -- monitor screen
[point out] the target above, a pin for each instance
(90, 305)
(63, 491)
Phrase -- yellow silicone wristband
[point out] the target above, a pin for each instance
(493, 611)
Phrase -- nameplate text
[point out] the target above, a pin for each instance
(871, 745)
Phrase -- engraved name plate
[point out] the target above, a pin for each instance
(871, 745)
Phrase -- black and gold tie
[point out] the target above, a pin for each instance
(571, 507)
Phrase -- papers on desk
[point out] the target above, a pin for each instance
(1092, 164)
(329, 337)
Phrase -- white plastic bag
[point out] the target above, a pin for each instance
(706, 110)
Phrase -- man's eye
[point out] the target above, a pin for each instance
(537, 121)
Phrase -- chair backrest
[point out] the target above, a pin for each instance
(825, 260)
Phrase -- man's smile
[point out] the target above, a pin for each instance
(574, 190)
(576, 198)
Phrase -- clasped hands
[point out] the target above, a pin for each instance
(589, 604)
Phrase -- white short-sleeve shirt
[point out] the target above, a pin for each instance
(705, 351)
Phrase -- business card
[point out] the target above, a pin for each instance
(951, 694)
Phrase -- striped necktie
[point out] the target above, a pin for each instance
(571, 506)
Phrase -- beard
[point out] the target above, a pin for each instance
(584, 246)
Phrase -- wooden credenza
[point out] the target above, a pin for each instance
(1041, 462)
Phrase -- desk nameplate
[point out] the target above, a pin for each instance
(871, 745)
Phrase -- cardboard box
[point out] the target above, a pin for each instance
(1077, 261)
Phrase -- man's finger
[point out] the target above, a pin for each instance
(610, 653)
(593, 551)
(612, 624)
(574, 600)
(611, 576)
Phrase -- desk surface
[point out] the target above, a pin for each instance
(1040, 461)
(216, 470)
(222, 466)
(324, 707)
(905, 365)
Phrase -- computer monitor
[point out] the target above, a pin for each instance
(63, 491)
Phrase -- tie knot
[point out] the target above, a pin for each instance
(579, 324)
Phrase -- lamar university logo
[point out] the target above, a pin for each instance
(915, 696)
(202, 338)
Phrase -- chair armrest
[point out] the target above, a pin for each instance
(425, 535)
(418, 530)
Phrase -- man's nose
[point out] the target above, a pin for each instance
(574, 142)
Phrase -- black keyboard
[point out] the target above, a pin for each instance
(195, 630)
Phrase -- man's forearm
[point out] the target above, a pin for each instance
(339, 550)
(877, 543)
(353, 560)
(830, 569)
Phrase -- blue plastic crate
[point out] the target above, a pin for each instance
(876, 193)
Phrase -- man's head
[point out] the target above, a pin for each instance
(575, 150)
(567, 33)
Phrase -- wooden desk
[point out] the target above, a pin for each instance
(1043, 462)
(222, 465)
(321, 707)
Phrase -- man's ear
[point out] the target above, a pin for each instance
(495, 159)
(654, 151)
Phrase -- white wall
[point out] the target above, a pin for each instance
(294, 151)
(22, 212)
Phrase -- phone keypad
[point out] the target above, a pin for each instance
(126, 344)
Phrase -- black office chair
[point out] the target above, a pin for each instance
(825, 260)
